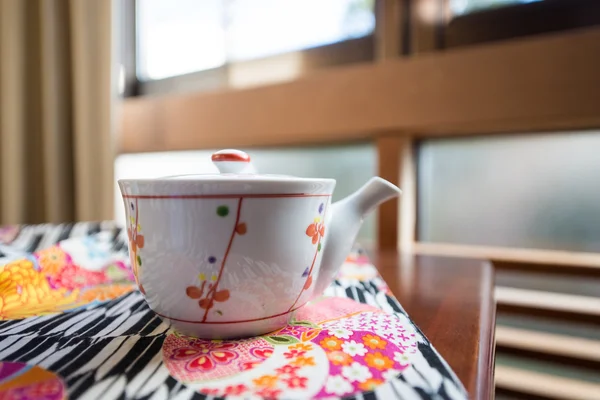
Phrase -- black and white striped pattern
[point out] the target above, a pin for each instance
(32, 238)
(113, 350)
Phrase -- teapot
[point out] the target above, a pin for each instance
(234, 254)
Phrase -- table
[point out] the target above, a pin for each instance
(451, 300)
(97, 344)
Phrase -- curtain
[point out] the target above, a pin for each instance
(56, 110)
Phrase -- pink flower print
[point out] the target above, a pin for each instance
(73, 277)
(269, 393)
(294, 353)
(296, 331)
(296, 382)
(262, 352)
(205, 356)
(287, 370)
(235, 390)
(211, 391)
(248, 365)
(362, 260)
(48, 390)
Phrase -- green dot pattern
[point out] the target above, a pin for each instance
(222, 211)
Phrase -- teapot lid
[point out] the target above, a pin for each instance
(236, 176)
(236, 165)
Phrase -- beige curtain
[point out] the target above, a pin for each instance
(56, 107)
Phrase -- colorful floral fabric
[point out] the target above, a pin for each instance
(94, 331)
(8, 233)
(339, 348)
(19, 381)
(65, 276)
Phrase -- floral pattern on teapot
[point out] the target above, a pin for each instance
(136, 242)
(207, 300)
(207, 291)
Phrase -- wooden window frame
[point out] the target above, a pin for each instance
(544, 83)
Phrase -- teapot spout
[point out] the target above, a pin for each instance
(346, 218)
(366, 199)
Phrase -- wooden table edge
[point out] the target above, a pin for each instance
(484, 382)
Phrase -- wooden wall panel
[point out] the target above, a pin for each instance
(427, 21)
(542, 83)
(389, 29)
(396, 219)
(566, 259)
(389, 150)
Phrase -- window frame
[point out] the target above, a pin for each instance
(355, 50)
(517, 21)
(415, 36)
(127, 47)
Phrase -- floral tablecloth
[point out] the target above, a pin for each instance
(73, 325)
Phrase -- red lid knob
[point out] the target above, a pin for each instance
(231, 161)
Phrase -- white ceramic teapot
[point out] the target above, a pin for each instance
(234, 254)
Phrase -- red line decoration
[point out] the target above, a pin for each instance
(233, 233)
(229, 322)
(224, 196)
(238, 228)
(236, 157)
(309, 276)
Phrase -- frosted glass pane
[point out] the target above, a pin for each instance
(350, 165)
(536, 191)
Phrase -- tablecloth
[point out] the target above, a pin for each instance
(73, 325)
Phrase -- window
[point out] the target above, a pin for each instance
(485, 21)
(462, 7)
(199, 45)
(533, 191)
(176, 37)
